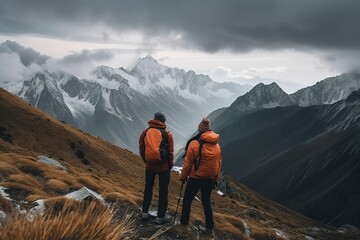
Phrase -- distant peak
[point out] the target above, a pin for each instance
(272, 85)
(149, 58)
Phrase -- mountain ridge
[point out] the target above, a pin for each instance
(116, 104)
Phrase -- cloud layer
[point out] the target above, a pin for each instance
(27, 56)
(207, 25)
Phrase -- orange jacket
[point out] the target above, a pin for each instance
(152, 151)
(210, 163)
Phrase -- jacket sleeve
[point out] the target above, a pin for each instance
(188, 161)
(170, 140)
(142, 146)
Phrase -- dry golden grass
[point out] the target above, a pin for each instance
(91, 183)
(121, 197)
(57, 186)
(82, 223)
(263, 233)
(34, 197)
(6, 170)
(22, 190)
(25, 179)
(229, 223)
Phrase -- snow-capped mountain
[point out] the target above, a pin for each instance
(42, 91)
(262, 96)
(116, 104)
(329, 90)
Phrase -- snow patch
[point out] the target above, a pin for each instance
(4, 194)
(84, 193)
(109, 84)
(77, 106)
(51, 162)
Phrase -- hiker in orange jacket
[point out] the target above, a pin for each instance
(156, 147)
(203, 169)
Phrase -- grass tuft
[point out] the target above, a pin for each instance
(57, 186)
(89, 221)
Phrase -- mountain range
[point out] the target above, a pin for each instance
(303, 154)
(116, 104)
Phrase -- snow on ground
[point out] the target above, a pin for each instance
(51, 161)
(77, 106)
(4, 194)
(83, 193)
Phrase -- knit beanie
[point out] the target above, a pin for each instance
(159, 116)
(204, 125)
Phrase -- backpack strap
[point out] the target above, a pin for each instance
(197, 161)
(196, 137)
(163, 136)
(142, 151)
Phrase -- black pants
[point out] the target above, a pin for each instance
(164, 179)
(192, 187)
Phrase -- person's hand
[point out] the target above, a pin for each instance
(215, 185)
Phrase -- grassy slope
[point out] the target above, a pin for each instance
(118, 175)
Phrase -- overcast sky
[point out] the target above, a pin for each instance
(293, 41)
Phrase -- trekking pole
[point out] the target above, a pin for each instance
(182, 184)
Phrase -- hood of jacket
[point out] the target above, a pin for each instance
(156, 124)
(210, 137)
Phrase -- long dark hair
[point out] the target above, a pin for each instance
(196, 137)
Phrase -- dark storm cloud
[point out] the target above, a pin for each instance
(27, 55)
(210, 25)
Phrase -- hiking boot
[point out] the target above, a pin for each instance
(144, 216)
(166, 219)
(207, 231)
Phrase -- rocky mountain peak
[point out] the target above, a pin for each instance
(262, 96)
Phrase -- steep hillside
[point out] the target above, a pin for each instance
(28, 136)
